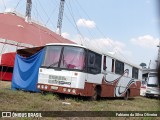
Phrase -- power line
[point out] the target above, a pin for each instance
(89, 31)
(83, 21)
(43, 9)
(17, 4)
(87, 42)
(38, 15)
(69, 7)
(40, 27)
(100, 30)
(52, 12)
(4, 4)
(48, 20)
(75, 25)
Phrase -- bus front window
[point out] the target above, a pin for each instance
(52, 56)
(73, 58)
(64, 57)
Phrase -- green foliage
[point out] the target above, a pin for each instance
(143, 65)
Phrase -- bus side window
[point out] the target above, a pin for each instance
(91, 60)
(135, 73)
(119, 67)
(112, 65)
(94, 63)
(104, 63)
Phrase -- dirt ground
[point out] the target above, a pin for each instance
(5, 84)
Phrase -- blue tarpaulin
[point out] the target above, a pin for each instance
(25, 73)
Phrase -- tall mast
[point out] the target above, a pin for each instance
(28, 11)
(158, 58)
(60, 17)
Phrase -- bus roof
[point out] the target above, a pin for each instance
(97, 51)
(65, 44)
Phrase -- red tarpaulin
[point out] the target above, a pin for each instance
(7, 59)
(7, 76)
(6, 67)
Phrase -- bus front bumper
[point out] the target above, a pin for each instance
(60, 89)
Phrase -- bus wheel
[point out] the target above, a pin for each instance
(95, 95)
(43, 92)
(126, 95)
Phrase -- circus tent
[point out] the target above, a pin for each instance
(16, 33)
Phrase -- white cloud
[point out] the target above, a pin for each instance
(146, 41)
(105, 45)
(66, 35)
(86, 23)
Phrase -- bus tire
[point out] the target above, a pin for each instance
(43, 92)
(126, 95)
(95, 95)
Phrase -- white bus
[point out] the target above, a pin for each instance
(77, 70)
(152, 88)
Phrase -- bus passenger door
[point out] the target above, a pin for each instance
(108, 77)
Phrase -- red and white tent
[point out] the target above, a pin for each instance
(15, 33)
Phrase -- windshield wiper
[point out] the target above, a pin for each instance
(53, 64)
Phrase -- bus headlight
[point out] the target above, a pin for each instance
(38, 86)
(74, 91)
(45, 87)
(69, 90)
(64, 89)
(42, 86)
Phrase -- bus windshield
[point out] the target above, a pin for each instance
(64, 57)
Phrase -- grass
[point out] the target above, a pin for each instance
(19, 100)
(25, 101)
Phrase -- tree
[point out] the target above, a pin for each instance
(143, 65)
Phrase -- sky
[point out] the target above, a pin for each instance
(128, 29)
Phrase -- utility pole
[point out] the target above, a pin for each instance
(60, 17)
(149, 64)
(158, 58)
(28, 11)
